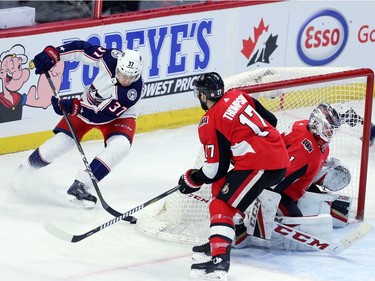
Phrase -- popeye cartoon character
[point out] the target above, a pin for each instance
(14, 73)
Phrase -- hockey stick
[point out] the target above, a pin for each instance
(84, 159)
(59, 233)
(332, 248)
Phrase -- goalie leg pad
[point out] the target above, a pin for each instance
(312, 203)
(319, 226)
(260, 215)
(340, 211)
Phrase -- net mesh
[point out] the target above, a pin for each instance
(185, 218)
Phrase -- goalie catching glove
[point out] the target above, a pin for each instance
(71, 106)
(333, 176)
(187, 184)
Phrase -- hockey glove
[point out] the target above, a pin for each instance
(45, 60)
(187, 184)
(71, 106)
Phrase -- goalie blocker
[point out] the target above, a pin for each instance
(317, 200)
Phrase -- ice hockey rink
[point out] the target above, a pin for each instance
(121, 252)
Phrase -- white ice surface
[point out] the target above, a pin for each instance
(120, 252)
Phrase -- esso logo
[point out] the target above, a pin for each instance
(322, 37)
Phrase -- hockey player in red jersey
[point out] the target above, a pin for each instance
(234, 130)
(307, 142)
(108, 104)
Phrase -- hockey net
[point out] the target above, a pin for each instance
(291, 94)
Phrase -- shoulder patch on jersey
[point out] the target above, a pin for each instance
(307, 144)
(203, 121)
(225, 189)
(116, 53)
(132, 94)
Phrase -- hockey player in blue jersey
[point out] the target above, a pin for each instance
(108, 104)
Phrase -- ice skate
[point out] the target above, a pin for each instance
(78, 194)
(202, 252)
(214, 269)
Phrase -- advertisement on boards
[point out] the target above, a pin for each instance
(331, 33)
(176, 50)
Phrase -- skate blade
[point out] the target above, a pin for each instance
(202, 275)
(85, 204)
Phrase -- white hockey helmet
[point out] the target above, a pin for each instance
(130, 64)
(324, 122)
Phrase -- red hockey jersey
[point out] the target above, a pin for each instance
(306, 160)
(232, 131)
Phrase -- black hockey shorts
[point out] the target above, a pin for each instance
(242, 187)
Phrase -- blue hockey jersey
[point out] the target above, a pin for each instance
(105, 99)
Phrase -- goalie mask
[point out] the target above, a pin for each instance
(324, 122)
(129, 67)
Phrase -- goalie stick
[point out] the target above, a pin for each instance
(106, 207)
(59, 233)
(332, 248)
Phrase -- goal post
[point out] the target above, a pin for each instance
(368, 80)
(290, 93)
